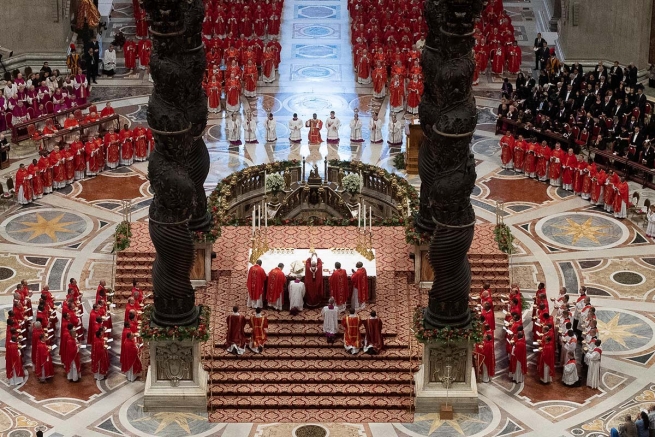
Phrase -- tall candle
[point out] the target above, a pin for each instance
(259, 217)
(265, 216)
(364, 217)
(359, 215)
(370, 219)
(264, 182)
(253, 220)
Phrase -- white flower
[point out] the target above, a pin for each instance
(351, 182)
(274, 182)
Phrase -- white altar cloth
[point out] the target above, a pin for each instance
(273, 257)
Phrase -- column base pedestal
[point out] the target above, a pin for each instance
(431, 393)
(176, 380)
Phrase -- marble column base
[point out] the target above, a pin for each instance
(431, 392)
(176, 380)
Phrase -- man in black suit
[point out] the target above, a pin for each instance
(648, 156)
(545, 55)
(538, 47)
(608, 106)
(619, 108)
(641, 101)
(616, 75)
(91, 66)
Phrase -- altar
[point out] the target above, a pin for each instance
(294, 264)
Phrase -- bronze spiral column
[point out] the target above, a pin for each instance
(446, 165)
(174, 122)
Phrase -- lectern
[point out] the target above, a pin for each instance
(414, 140)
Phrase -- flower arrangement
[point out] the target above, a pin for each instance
(274, 182)
(178, 333)
(122, 236)
(504, 238)
(352, 182)
(472, 333)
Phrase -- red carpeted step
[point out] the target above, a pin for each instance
(358, 363)
(319, 401)
(286, 376)
(295, 353)
(304, 388)
(295, 415)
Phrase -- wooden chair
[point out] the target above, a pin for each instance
(644, 224)
(633, 208)
(50, 108)
(10, 188)
(636, 112)
(93, 108)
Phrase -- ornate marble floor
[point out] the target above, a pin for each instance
(561, 240)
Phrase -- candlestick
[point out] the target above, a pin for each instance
(326, 170)
(253, 220)
(266, 216)
(364, 217)
(264, 183)
(259, 217)
(359, 215)
(370, 219)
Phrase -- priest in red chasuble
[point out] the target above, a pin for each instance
(360, 287)
(373, 341)
(352, 339)
(256, 282)
(313, 281)
(339, 286)
(236, 337)
(130, 361)
(275, 289)
(14, 362)
(259, 325)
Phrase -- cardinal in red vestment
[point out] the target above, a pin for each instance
(275, 287)
(99, 357)
(339, 286)
(530, 164)
(569, 165)
(259, 324)
(518, 363)
(555, 168)
(373, 340)
(514, 58)
(621, 199)
(313, 281)
(507, 150)
(546, 364)
(519, 154)
(611, 182)
(71, 357)
(498, 61)
(352, 338)
(486, 350)
(126, 146)
(14, 362)
(597, 186)
(235, 339)
(589, 175)
(129, 50)
(255, 283)
(24, 185)
(359, 281)
(130, 361)
(37, 179)
(543, 159)
(43, 367)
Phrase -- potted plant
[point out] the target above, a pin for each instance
(275, 185)
(351, 186)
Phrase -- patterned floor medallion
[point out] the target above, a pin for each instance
(582, 231)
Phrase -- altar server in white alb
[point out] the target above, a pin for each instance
(296, 296)
(332, 124)
(295, 128)
(592, 358)
(356, 129)
(396, 128)
(271, 128)
(233, 130)
(250, 129)
(570, 372)
(375, 127)
(330, 314)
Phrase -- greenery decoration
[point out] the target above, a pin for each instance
(504, 238)
(352, 182)
(178, 333)
(472, 333)
(122, 236)
(399, 161)
(274, 182)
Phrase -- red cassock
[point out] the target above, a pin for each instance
(58, 170)
(268, 63)
(339, 286)
(44, 167)
(487, 351)
(414, 93)
(112, 146)
(37, 181)
(359, 281)
(100, 154)
(127, 145)
(43, 367)
(313, 283)
(514, 59)
(519, 154)
(351, 334)
(274, 25)
(608, 194)
(597, 186)
(69, 165)
(22, 180)
(233, 91)
(543, 157)
(129, 50)
(256, 282)
(587, 179)
(214, 93)
(36, 336)
(92, 328)
(259, 326)
(379, 79)
(141, 23)
(72, 355)
(622, 195)
(364, 67)
(374, 337)
(498, 62)
(489, 318)
(63, 339)
(145, 48)
(546, 357)
(250, 78)
(235, 332)
(570, 163)
(556, 161)
(530, 165)
(130, 356)
(139, 137)
(397, 91)
(14, 363)
(99, 356)
(276, 283)
(507, 149)
(578, 176)
(518, 356)
(77, 149)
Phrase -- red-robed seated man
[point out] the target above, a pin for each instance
(255, 283)
(235, 340)
(259, 325)
(130, 361)
(359, 281)
(71, 122)
(352, 338)
(275, 289)
(91, 117)
(107, 111)
(339, 286)
(373, 341)
(313, 281)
